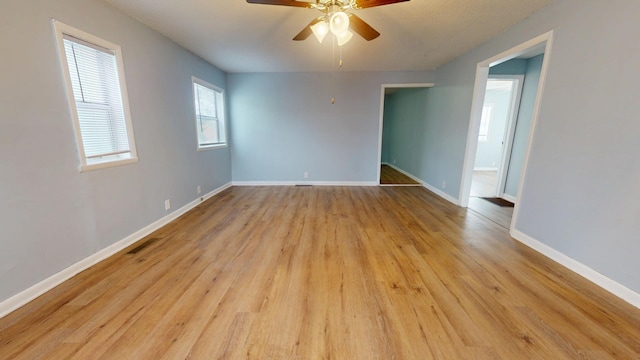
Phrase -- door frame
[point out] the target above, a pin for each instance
(482, 74)
(383, 87)
(509, 131)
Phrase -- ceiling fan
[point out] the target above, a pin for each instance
(335, 19)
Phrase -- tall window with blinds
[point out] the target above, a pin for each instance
(97, 98)
(209, 110)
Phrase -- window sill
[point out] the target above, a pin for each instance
(213, 147)
(107, 164)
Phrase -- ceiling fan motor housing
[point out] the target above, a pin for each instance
(335, 14)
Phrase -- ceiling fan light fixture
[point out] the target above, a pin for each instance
(344, 37)
(339, 23)
(320, 30)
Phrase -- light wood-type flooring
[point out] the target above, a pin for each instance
(391, 176)
(484, 184)
(325, 273)
(500, 215)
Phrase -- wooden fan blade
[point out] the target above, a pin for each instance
(362, 28)
(307, 30)
(363, 4)
(281, 2)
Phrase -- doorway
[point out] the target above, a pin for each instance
(495, 137)
(503, 182)
(396, 159)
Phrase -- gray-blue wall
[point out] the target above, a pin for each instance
(579, 196)
(580, 192)
(52, 215)
(523, 125)
(283, 124)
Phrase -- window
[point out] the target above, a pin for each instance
(209, 109)
(96, 89)
(483, 136)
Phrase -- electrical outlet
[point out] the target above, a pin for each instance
(167, 204)
(306, 175)
(444, 184)
(199, 189)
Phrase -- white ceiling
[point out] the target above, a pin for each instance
(416, 35)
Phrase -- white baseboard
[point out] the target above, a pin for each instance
(509, 198)
(429, 187)
(588, 273)
(442, 194)
(304, 183)
(13, 303)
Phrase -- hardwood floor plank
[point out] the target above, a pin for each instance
(391, 176)
(325, 273)
(484, 183)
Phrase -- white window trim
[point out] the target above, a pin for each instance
(196, 80)
(60, 29)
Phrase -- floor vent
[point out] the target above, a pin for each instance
(141, 247)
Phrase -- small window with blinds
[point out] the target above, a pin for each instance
(209, 110)
(96, 88)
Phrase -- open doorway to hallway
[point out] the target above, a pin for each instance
(506, 100)
(495, 139)
(402, 113)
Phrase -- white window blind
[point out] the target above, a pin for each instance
(102, 124)
(209, 109)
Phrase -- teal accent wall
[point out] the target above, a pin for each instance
(405, 129)
(386, 130)
(511, 67)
